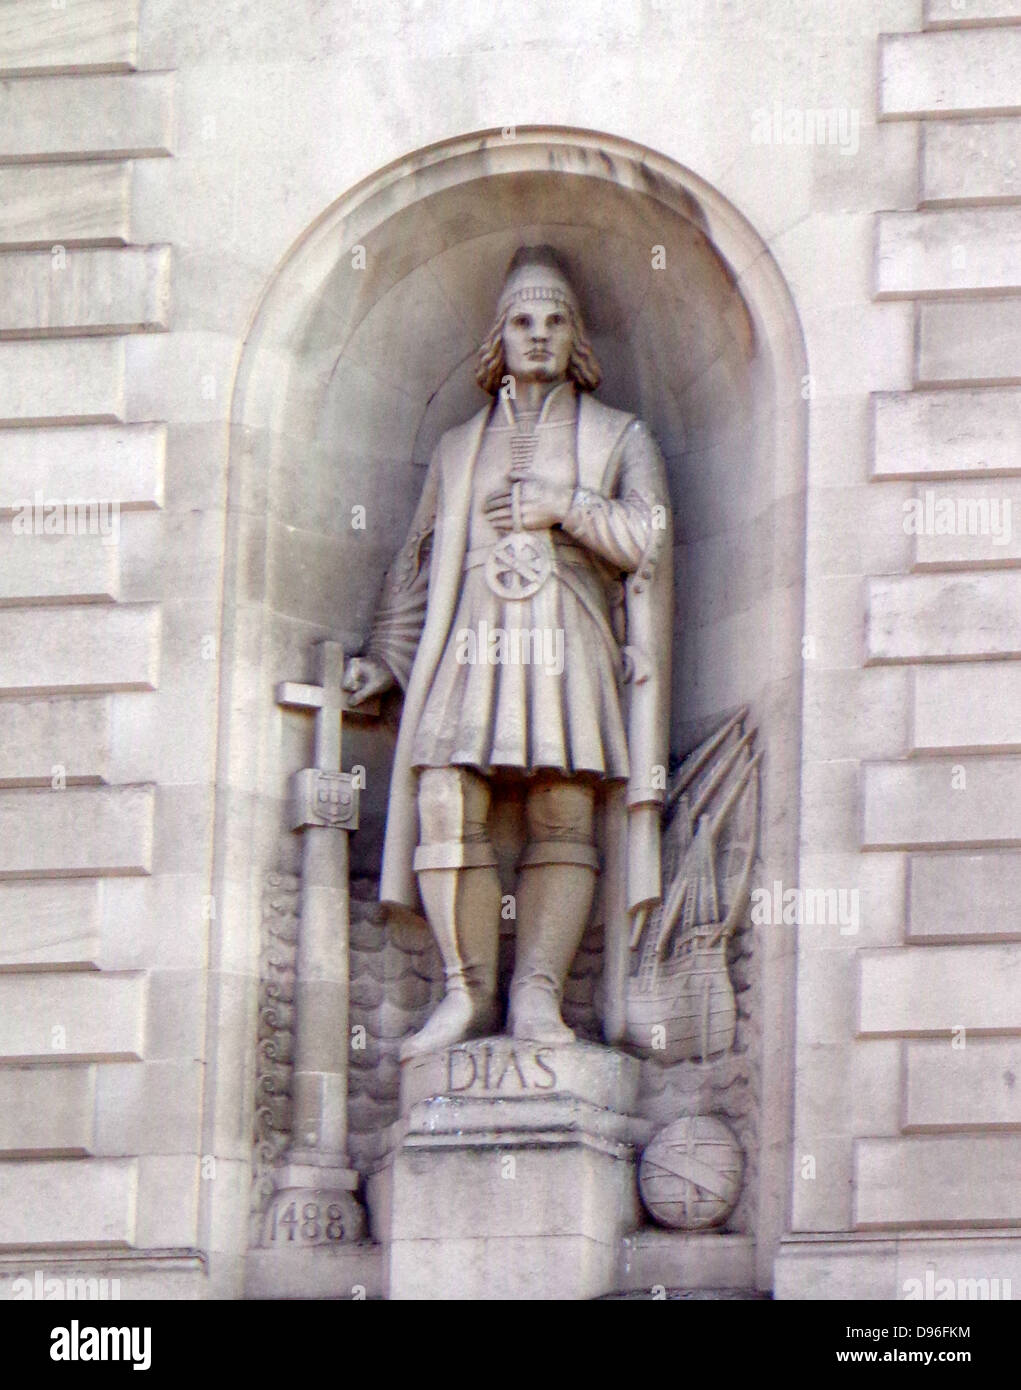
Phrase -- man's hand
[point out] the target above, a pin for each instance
(366, 676)
(542, 503)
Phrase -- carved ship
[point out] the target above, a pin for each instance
(680, 1001)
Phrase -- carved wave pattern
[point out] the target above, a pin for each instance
(275, 1048)
(396, 980)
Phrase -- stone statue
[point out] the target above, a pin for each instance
(528, 619)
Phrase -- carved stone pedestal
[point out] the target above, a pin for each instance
(513, 1173)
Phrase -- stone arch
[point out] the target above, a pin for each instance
(360, 354)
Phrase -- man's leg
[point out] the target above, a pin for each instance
(460, 889)
(555, 889)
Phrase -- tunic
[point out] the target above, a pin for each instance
(533, 682)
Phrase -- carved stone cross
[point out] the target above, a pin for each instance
(316, 1170)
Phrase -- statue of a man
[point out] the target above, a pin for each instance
(528, 619)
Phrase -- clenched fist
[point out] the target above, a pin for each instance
(366, 676)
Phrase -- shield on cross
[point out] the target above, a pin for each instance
(334, 798)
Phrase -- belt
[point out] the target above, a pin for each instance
(568, 551)
(566, 554)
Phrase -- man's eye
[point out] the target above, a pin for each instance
(522, 321)
(556, 320)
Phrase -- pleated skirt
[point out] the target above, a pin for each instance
(528, 684)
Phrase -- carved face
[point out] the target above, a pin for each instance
(537, 341)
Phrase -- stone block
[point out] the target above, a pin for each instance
(74, 568)
(82, 1017)
(89, 648)
(148, 1108)
(46, 1111)
(945, 617)
(66, 118)
(856, 714)
(956, 73)
(63, 1203)
(46, 740)
(190, 546)
(967, 525)
(167, 1201)
(94, 290)
(184, 820)
(76, 831)
(47, 924)
(875, 545)
(952, 14)
(821, 1205)
(112, 463)
(954, 251)
(874, 1102)
(833, 624)
(686, 1260)
(182, 376)
(922, 434)
(830, 802)
(61, 381)
(38, 36)
(872, 904)
(973, 1086)
(969, 1266)
(972, 1180)
(831, 1268)
(919, 990)
(962, 341)
(505, 1182)
(64, 204)
(941, 803)
(968, 896)
(967, 708)
(971, 161)
(899, 1265)
(826, 1004)
(318, 1271)
(506, 1268)
(104, 1274)
(175, 1026)
(160, 922)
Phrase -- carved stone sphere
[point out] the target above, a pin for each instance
(690, 1173)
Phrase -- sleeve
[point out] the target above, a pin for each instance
(400, 615)
(625, 529)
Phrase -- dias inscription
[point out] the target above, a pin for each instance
(492, 1069)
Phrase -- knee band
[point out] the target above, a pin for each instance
(559, 852)
(455, 854)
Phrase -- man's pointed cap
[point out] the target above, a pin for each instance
(537, 273)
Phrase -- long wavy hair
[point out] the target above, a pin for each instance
(582, 368)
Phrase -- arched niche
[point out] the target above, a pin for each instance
(361, 353)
